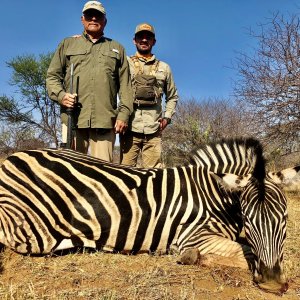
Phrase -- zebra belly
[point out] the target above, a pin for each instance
(68, 244)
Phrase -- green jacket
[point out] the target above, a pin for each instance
(101, 73)
(145, 119)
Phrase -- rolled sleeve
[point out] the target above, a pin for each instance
(171, 94)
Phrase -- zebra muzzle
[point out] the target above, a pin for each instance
(274, 287)
(272, 280)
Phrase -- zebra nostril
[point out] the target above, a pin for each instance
(284, 287)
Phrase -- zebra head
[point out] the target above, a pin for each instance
(264, 210)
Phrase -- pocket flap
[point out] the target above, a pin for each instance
(73, 52)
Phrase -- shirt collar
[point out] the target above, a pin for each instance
(88, 37)
(145, 59)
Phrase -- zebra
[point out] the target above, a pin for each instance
(56, 199)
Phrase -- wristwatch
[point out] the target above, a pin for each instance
(168, 120)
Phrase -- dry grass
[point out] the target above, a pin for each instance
(100, 275)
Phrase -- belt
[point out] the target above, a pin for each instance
(142, 135)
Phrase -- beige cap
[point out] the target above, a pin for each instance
(94, 5)
(144, 27)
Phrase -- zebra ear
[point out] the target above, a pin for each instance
(231, 181)
(286, 177)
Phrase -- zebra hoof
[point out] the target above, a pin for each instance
(190, 257)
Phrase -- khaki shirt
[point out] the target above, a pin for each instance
(100, 74)
(145, 119)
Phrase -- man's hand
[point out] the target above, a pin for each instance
(120, 126)
(69, 100)
(163, 124)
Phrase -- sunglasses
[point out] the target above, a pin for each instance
(93, 14)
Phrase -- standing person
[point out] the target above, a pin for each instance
(151, 79)
(101, 72)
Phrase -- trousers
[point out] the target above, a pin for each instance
(98, 142)
(132, 144)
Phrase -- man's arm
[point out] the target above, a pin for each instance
(125, 95)
(171, 94)
(55, 75)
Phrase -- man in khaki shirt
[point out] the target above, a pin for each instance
(150, 116)
(101, 73)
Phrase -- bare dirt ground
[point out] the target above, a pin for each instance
(106, 276)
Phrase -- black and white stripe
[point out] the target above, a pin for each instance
(59, 199)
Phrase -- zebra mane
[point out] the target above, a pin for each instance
(238, 156)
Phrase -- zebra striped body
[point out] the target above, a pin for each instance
(59, 199)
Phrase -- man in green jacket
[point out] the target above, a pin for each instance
(151, 80)
(101, 72)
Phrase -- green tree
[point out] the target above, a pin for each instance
(31, 110)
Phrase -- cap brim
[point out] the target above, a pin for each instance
(91, 8)
(145, 30)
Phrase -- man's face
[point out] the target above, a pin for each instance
(144, 41)
(93, 22)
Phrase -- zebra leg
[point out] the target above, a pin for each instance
(218, 250)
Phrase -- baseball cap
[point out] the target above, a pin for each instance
(94, 5)
(144, 27)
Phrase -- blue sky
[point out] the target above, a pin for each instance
(197, 38)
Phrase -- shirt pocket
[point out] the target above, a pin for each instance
(76, 56)
(161, 76)
(110, 61)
